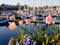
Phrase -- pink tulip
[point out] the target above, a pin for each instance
(49, 19)
(20, 22)
(12, 26)
(28, 21)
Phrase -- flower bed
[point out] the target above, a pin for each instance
(40, 37)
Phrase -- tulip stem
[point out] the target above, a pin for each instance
(25, 29)
(17, 32)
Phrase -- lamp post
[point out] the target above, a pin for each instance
(19, 8)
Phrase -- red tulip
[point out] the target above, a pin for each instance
(12, 26)
(49, 19)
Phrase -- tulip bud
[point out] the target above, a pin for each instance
(53, 22)
(12, 26)
(56, 37)
(49, 19)
(45, 35)
(58, 43)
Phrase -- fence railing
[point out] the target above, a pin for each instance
(42, 22)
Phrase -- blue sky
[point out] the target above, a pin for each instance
(31, 2)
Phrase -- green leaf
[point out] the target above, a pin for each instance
(37, 27)
(21, 36)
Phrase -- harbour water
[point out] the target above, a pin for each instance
(6, 33)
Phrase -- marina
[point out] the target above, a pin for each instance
(30, 22)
